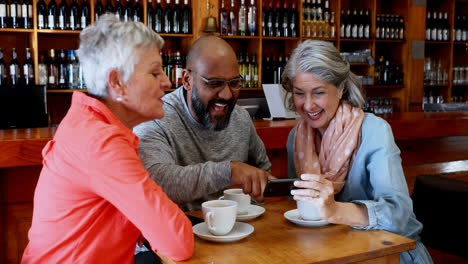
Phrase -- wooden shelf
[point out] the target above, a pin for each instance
(436, 85)
(438, 42)
(16, 30)
(460, 85)
(176, 35)
(239, 37)
(379, 86)
(390, 40)
(356, 40)
(66, 90)
(359, 64)
(281, 38)
(461, 42)
(325, 39)
(58, 31)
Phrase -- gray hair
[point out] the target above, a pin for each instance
(113, 44)
(324, 61)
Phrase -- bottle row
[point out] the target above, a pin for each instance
(62, 71)
(173, 64)
(16, 14)
(379, 105)
(15, 75)
(355, 25)
(320, 28)
(272, 68)
(434, 72)
(460, 74)
(389, 27)
(437, 26)
(460, 30)
(171, 19)
(248, 68)
(387, 72)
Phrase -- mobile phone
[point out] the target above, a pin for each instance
(279, 187)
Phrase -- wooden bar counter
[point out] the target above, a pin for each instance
(428, 141)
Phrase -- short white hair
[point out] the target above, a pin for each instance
(113, 44)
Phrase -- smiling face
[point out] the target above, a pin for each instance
(315, 100)
(145, 88)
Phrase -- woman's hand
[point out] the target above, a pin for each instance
(319, 191)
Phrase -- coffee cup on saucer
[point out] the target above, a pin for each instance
(220, 216)
(308, 211)
(242, 199)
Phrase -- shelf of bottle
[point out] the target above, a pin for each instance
(281, 38)
(16, 30)
(172, 35)
(66, 90)
(384, 86)
(325, 39)
(356, 40)
(58, 31)
(391, 40)
(238, 37)
(436, 85)
(438, 42)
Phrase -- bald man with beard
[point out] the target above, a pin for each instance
(205, 143)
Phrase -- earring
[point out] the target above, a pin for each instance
(118, 99)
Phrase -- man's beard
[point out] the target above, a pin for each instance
(203, 113)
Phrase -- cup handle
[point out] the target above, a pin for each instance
(221, 198)
(209, 220)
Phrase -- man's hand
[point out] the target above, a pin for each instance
(253, 180)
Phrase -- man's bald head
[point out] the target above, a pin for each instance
(207, 48)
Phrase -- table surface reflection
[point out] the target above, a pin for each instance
(276, 240)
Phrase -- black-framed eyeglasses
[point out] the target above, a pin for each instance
(217, 85)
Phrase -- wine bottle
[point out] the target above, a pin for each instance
(14, 70)
(167, 25)
(52, 22)
(63, 15)
(42, 70)
(62, 67)
(150, 14)
(109, 7)
(158, 17)
(176, 17)
(186, 18)
(75, 14)
(119, 10)
(14, 14)
(178, 68)
(293, 20)
(28, 69)
(254, 71)
(72, 70)
(51, 70)
(137, 12)
(242, 21)
(3, 73)
(3, 17)
(128, 12)
(98, 10)
(27, 12)
(85, 14)
(233, 18)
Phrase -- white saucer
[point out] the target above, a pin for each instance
(293, 216)
(238, 232)
(253, 212)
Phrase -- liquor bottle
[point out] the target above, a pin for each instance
(401, 29)
(98, 10)
(252, 18)
(387, 25)
(332, 25)
(178, 68)
(3, 16)
(378, 26)
(354, 25)
(306, 10)
(263, 18)
(254, 72)
(241, 65)
(52, 70)
(137, 12)
(233, 19)
(186, 20)
(167, 18)
(3, 73)
(28, 69)
(434, 26)
(274, 69)
(284, 20)
(119, 10)
(62, 67)
(27, 12)
(150, 14)
(279, 68)
(63, 15)
(170, 66)
(15, 73)
(52, 15)
(440, 27)
(446, 28)
(312, 12)
(457, 29)
(176, 17)
(42, 70)
(277, 20)
(266, 71)
(81, 84)
(14, 19)
(158, 17)
(75, 14)
(85, 14)
(247, 72)
(223, 19)
(242, 21)
(109, 7)
(428, 25)
(386, 75)
(367, 24)
(127, 12)
(270, 20)
(72, 70)
(326, 11)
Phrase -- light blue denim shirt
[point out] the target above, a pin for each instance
(376, 180)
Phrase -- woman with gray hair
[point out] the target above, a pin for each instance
(94, 198)
(349, 165)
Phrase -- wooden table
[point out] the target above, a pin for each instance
(276, 240)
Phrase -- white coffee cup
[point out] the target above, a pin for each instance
(220, 216)
(308, 211)
(242, 199)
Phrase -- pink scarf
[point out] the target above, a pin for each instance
(338, 146)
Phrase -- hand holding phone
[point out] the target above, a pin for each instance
(279, 187)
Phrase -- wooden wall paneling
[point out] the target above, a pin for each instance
(3, 214)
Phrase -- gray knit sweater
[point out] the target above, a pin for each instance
(191, 163)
